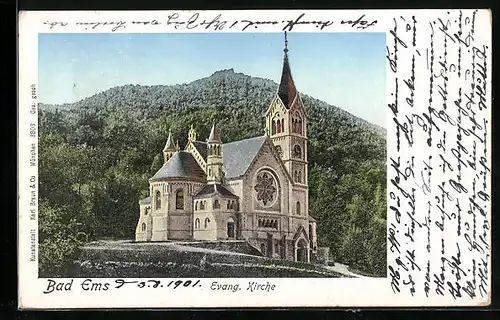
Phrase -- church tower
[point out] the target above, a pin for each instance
(214, 157)
(286, 125)
(169, 149)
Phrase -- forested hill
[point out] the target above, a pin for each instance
(224, 88)
(96, 157)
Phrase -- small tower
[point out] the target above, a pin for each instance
(169, 149)
(214, 157)
(192, 134)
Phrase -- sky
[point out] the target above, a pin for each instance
(343, 69)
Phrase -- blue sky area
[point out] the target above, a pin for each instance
(344, 69)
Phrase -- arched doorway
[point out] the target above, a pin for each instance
(230, 228)
(302, 251)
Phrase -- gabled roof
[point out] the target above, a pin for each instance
(301, 233)
(238, 155)
(146, 200)
(201, 147)
(213, 189)
(181, 165)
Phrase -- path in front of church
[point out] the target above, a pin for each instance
(343, 269)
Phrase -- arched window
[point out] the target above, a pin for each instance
(282, 125)
(207, 222)
(157, 199)
(196, 205)
(216, 204)
(300, 126)
(297, 151)
(299, 177)
(274, 127)
(297, 208)
(143, 226)
(197, 223)
(279, 126)
(179, 199)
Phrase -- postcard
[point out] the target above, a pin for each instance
(221, 159)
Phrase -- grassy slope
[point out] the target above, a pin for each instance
(128, 259)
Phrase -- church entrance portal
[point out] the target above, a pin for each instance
(302, 251)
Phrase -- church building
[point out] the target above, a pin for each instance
(254, 189)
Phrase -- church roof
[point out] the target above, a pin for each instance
(201, 147)
(181, 165)
(146, 200)
(212, 189)
(238, 155)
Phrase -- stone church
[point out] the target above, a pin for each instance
(254, 189)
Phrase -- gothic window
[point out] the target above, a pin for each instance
(197, 223)
(179, 199)
(202, 205)
(146, 211)
(228, 206)
(297, 208)
(207, 222)
(299, 177)
(266, 188)
(279, 151)
(297, 151)
(282, 125)
(196, 205)
(274, 127)
(216, 204)
(157, 200)
(279, 126)
(143, 227)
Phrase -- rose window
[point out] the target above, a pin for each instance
(266, 189)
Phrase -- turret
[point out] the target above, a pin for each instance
(169, 149)
(214, 157)
(192, 134)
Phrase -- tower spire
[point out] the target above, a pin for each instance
(286, 89)
(169, 148)
(286, 45)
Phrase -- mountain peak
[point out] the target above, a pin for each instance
(223, 72)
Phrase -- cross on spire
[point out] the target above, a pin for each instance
(286, 44)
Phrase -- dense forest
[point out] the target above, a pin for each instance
(96, 156)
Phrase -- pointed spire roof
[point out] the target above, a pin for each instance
(214, 135)
(286, 89)
(169, 146)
